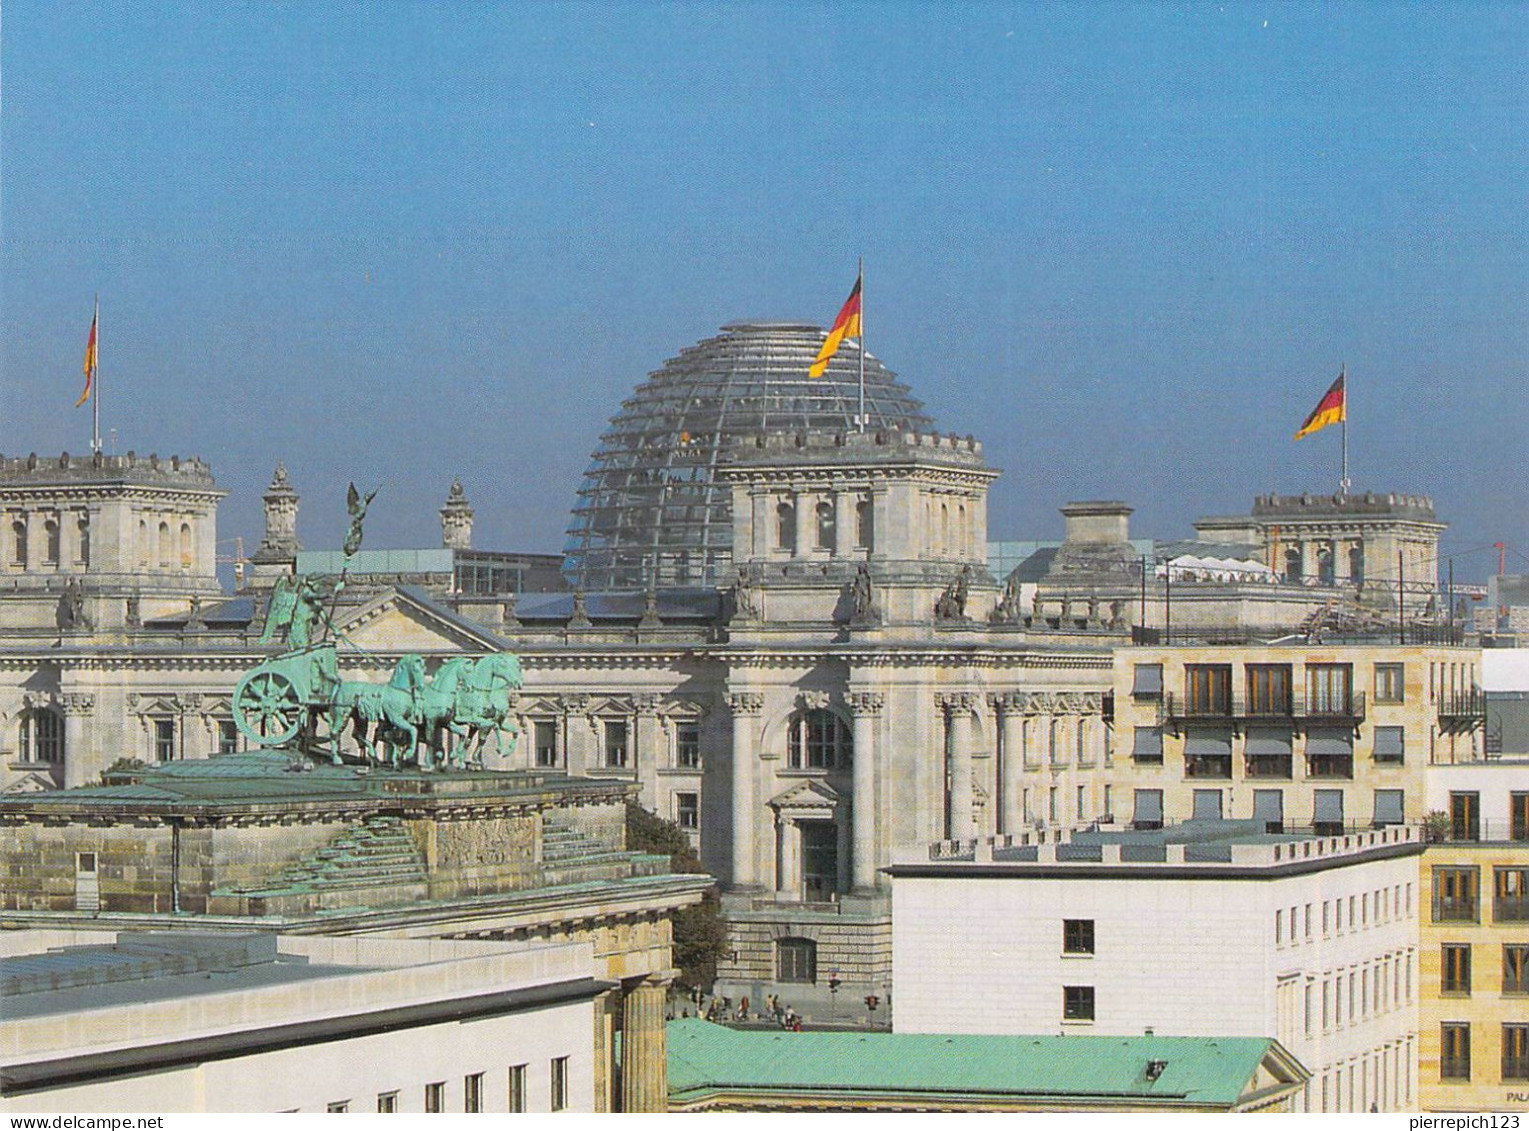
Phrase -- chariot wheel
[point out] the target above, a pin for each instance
(268, 709)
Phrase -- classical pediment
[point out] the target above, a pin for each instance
(31, 782)
(401, 620)
(807, 800)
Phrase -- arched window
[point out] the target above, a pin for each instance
(826, 530)
(1356, 564)
(185, 545)
(1293, 564)
(785, 527)
(166, 548)
(1325, 565)
(19, 542)
(819, 740)
(42, 736)
(963, 533)
(796, 960)
(864, 524)
(83, 557)
(944, 529)
(50, 542)
(143, 542)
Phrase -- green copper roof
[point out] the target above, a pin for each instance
(1213, 1071)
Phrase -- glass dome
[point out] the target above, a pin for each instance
(649, 510)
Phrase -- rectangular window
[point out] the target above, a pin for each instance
(517, 1094)
(796, 960)
(1308, 920)
(1515, 1052)
(1077, 936)
(1329, 690)
(472, 1092)
(435, 1097)
(1518, 814)
(1455, 965)
(1268, 690)
(228, 737)
(1465, 816)
(1148, 746)
(1327, 918)
(1454, 1051)
(687, 810)
(1510, 895)
(687, 745)
(1455, 892)
(1149, 809)
(1078, 1003)
(544, 734)
(1389, 682)
(337, 1106)
(387, 1102)
(559, 1083)
(1390, 745)
(1515, 968)
(615, 742)
(1208, 689)
(1390, 807)
(1109, 808)
(1147, 681)
(164, 740)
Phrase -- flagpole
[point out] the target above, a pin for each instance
(1343, 373)
(95, 400)
(862, 342)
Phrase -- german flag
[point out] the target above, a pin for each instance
(1331, 409)
(90, 361)
(847, 325)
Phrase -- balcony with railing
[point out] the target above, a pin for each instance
(1462, 711)
(1175, 708)
(1510, 909)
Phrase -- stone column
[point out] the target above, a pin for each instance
(36, 537)
(788, 880)
(1011, 765)
(866, 707)
(604, 1050)
(958, 799)
(644, 1056)
(79, 763)
(844, 522)
(575, 743)
(806, 525)
(745, 707)
(764, 525)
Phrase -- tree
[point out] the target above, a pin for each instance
(700, 936)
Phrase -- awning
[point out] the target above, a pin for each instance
(1328, 807)
(1149, 805)
(1390, 742)
(1388, 806)
(1269, 806)
(1268, 740)
(1330, 740)
(1149, 743)
(1207, 805)
(1149, 680)
(1203, 742)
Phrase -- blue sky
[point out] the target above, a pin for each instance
(1126, 245)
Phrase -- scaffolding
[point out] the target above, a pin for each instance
(650, 511)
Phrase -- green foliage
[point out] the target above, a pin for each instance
(1436, 827)
(124, 771)
(700, 936)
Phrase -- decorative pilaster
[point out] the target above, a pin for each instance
(745, 707)
(958, 797)
(866, 707)
(645, 736)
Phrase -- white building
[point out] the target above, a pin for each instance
(182, 1022)
(1200, 930)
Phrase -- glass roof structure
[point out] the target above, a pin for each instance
(649, 510)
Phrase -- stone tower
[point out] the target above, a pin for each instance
(457, 519)
(277, 554)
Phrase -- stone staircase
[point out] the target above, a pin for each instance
(571, 857)
(373, 864)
